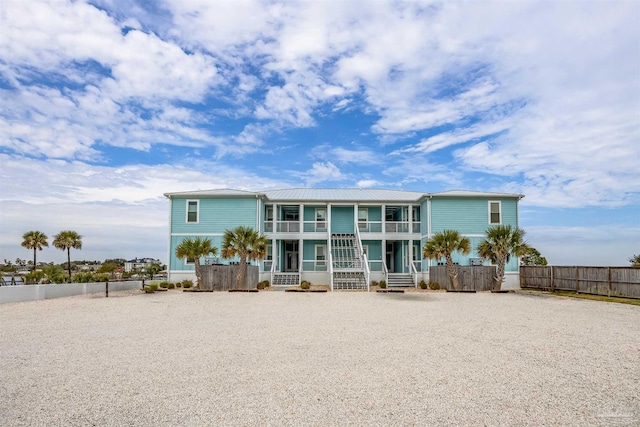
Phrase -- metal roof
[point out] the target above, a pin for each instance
(469, 193)
(228, 192)
(338, 194)
(342, 194)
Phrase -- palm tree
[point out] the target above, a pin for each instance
(34, 240)
(442, 245)
(246, 244)
(502, 241)
(195, 248)
(65, 240)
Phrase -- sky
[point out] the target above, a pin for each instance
(106, 105)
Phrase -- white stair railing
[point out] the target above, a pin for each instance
(414, 274)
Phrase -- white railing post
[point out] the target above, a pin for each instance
(386, 271)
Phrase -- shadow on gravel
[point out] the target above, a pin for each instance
(406, 296)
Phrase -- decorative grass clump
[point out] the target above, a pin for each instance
(305, 285)
(383, 284)
(423, 284)
(375, 283)
(164, 284)
(154, 287)
(187, 283)
(264, 284)
(434, 286)
(171, 285)
(148, 290)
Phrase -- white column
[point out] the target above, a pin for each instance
(301, 217)
(300, 256)
(383, 217)
(410, 246)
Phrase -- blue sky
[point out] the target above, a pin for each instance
(106, 105)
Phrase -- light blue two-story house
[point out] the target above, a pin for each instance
(340, 237)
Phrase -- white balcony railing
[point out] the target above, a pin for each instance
(288, 226)
(315, 265)
(396, 226)
(315, 226)
(370, 226)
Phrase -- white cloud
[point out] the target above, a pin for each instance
(320, 172)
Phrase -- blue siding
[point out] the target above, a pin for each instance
(424, 218)
(215, 215)
(309, 248)
(176, 263)
(468, 216)
(342, 219)
(375, 212)
(375, 249)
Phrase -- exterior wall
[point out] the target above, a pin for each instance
(342, 219)
(468, 216)
(215, 215)
(375, 212)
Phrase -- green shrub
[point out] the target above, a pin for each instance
(375, 283)
(164, 284)
(34, 277)
(266, 283)
(148, 290)
(186, 283)
(423, 284)
(171, 285)
(82, 278)
(101, 277)
(434, 286)
(153, 286)
(305, 285)
(178, 284)
(260, 285)
(383, 284)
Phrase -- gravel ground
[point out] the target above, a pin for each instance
(275, 358)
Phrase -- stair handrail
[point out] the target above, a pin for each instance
(414, 274)
(331, 271)
(366, 270)
(273, 271)
(386, 271)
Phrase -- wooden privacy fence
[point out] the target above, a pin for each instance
(606, 281)
(470, 278)
(224, 277)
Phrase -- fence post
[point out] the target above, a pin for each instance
(143, 283)
(609, 281)
(577, 280)
(553, 280)
(106, 288)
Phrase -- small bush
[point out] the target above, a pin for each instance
(153, 287)
(34, 277)
(383, 284)
(423, 284)
(178, 284)
(164, 284)
(375, 283)
(266, 283)
(305, 285)
(148, 290)
(101, 277)
(261, 285)
(434, 286)
(187, 283)
(171, 285)
(83, 278)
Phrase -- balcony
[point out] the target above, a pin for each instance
(370, 226)
(314, 265)
(288, 226)
(315, 226)
(401, 227)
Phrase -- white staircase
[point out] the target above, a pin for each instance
(348, 268)
(400, 280)
(286, 279)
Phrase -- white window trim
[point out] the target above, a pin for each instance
(499, 211)
(197, 221)
(366, 210)
(186, 261)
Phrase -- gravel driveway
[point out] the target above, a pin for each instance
(275, 358)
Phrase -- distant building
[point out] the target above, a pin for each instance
(140, 264)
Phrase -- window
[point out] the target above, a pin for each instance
(193, 206)
(495, 214)
(365, 250)
(321, 255)
(363, 219)
(190, 261)
(268, 213)
(321, 219)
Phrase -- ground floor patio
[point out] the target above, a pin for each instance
(343, 358)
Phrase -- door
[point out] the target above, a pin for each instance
(291, 256)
